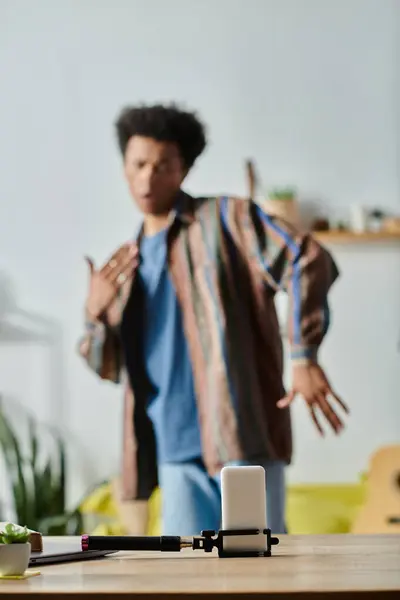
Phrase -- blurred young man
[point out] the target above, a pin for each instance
(187, 312)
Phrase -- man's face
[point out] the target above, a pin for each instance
(154, 171)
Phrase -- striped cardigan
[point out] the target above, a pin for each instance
(227, 259)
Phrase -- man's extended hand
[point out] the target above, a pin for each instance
(105, 282)
(310, 381)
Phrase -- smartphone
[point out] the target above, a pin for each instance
(244, 506)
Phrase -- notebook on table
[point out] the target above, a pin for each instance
(60, 552)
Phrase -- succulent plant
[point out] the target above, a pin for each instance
(13, 534)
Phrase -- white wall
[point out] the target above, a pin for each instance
(306, 87)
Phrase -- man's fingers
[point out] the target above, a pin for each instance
(288, 399)
(90, 264)
(339, 401)
(315, 419)
(122, 274)
(333, 419)
(108, 269)
(126, 255)
(122, 270)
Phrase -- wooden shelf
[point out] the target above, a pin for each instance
(348, 237)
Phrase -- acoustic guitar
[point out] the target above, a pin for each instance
(381, 511)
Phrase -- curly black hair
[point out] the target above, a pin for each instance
(164, 124)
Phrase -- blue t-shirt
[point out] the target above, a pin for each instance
(172, 406)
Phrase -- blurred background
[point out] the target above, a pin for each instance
(310, 91)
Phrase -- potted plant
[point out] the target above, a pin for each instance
(282, 202)
(287, 194)
(15, 550)
(37, 480)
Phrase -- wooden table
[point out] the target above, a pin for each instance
(334, 567)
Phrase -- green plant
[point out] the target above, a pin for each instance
(13, 534)
(287, 193)
(38, 482)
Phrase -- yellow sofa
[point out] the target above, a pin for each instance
(310, 509)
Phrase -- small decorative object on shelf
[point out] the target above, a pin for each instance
(392, 225)
(358, 218)
(320, 224)
(375, 220)
(15, 550)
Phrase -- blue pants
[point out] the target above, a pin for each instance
(191, 499)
